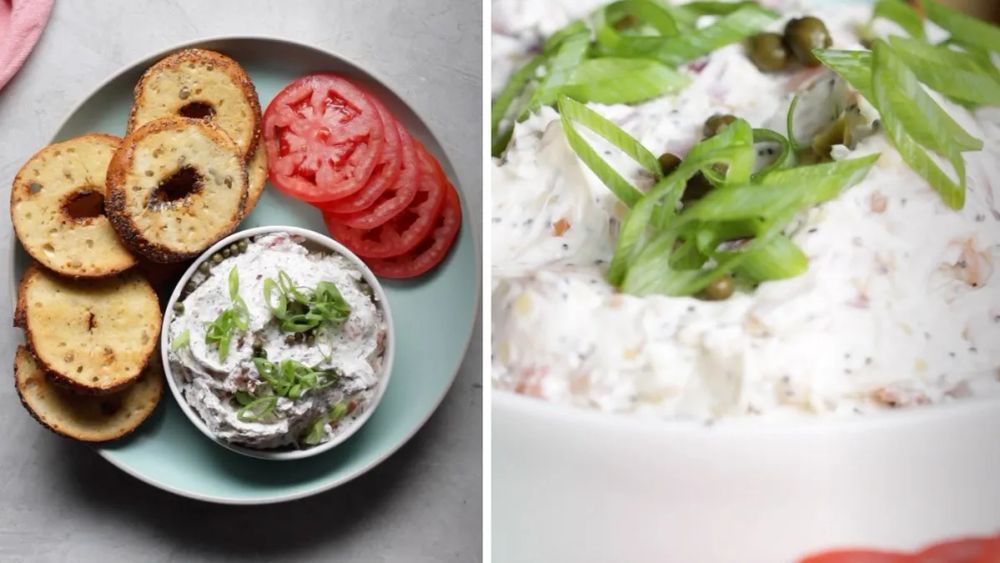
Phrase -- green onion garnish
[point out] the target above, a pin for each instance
(574, 112)
(257, 409)
(292, 379)
(299, 309)
(181, 341)
(220, 331)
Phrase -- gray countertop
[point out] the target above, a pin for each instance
(59, 501)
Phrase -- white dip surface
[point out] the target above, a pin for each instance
(353, 348)
(900, 305)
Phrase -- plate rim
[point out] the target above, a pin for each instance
(108, 454)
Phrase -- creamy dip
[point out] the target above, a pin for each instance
(900, 305)
(354, 349)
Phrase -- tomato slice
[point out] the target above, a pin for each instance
(388, 169)
(393, 200)
(859, 556)
(385, 209)
(429, 253)
(968, 550)
(400, 233)
(324, 137)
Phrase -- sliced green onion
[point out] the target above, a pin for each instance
(338, 411)
(622, 81)
(316, 432)
(243, 398)
(779, 259)
(573, 112)
(911, 118)
(966, 29)
(790, 125)
(674, 51)
(257, 409)
(732, 147)
(570, 54)
(853, 66)
(181, 341)
(785, 148)
(645, 12)
(955, 74)
(902, 15)
(502, 106)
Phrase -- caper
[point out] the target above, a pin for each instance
(669, 162)
(366, 289)
(626, 22)
(204, 267)
(216, 258)
(719, 289)
(311, 338)
(178, 307)
(227, 252)
(768, 52)
(802, 35)
(243, 245)
(836, 133)
(697, 187)
(715, 124)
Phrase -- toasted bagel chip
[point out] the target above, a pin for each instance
(175, 187)
(204, 85)
(57, 209)
(95, 336)
(257, 177)
(83, 417)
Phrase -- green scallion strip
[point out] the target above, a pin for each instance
(779, 259)
(182, 340)
(955, 74)
(573, 112)
(784, 157)
(962, 27)
(902, 15)
(503, 111)
(674, 51)
(911, 119)
(622, 81)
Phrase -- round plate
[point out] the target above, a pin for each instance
(434, 314)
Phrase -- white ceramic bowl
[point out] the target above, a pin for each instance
(383, 379)
(575, 485)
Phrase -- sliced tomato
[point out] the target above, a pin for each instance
(397, 152)
(859, 556)
(386, 209)
(402, 232)
(393, 200)
(429, 253)
(968, 550)
(324, 137)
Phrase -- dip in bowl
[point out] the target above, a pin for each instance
(278, 343)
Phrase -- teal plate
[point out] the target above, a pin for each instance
(433, 314)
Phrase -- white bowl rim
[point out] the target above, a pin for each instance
(514, 404)
(388, 354)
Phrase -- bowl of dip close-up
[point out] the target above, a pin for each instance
(322, 384)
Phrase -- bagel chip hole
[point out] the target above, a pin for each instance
(197, 110)
(177, 186)
(85, 204)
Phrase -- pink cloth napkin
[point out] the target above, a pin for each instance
(21, 22)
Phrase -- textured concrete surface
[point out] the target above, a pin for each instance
(59, 501)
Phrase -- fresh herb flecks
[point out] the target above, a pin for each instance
(220, 331)
(317, 430)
